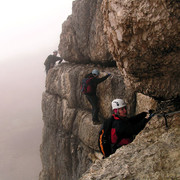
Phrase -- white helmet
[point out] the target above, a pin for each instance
(118, 103)
(55, 51)
(95, 71)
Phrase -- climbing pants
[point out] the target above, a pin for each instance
(93, 99)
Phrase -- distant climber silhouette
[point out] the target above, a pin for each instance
(51, 60)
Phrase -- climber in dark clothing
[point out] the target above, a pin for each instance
(124, 130)
(51, 60)
(91, 94)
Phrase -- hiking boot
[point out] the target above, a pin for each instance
(96, 122)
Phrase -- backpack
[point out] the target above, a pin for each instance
(86, 87)
(104, 140)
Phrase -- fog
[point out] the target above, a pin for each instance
(22, 82)
(29, 32)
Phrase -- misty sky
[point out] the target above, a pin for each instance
(29, 32)
(31, 26)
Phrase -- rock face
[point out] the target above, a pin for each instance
(82, 39)
(142, 37)
(69, 136)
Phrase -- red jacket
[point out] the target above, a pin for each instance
(124, 130)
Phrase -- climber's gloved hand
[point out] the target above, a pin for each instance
(151, 113)
(60, 62)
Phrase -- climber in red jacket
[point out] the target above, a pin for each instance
(91, 92)
(124, 130)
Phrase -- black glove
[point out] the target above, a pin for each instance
(60, 62)
(151, 114)
(151, 111)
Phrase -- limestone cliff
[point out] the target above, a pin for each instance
(142, 37)
(83, 39)
(69, 134)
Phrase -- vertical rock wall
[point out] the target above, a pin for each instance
(82, 39)
(69, 136)
(142, 37)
